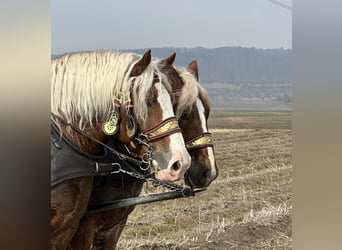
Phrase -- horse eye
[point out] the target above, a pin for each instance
(185, 116)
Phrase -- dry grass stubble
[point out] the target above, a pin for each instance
(248, 206)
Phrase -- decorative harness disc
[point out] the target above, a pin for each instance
(111, 126)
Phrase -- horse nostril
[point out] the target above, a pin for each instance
(176, 166)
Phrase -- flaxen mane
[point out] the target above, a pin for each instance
(190, 91)
(204, 96)
(84, 85)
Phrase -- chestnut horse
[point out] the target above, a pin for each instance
(102, 229)
(86, 89)
(198, 139)
(192, 112)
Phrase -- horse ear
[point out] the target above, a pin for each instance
(167, 62)
(193, 68)
(142, 64)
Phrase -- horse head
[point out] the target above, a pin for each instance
(192, 110)
(124, 96)
(149, 127)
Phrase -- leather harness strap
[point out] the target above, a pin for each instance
(202, 140)
(165, 128)
(68, 161)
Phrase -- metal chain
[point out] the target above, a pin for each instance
(150, 178)
(177, 192)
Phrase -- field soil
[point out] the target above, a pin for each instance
(249, 205)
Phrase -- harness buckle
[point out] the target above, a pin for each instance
(119, 169)
(142, 139)
(96, 167)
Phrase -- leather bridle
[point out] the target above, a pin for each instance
(202, 140)
(165, 128)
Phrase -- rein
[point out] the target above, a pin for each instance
(142, 200)
(176, 192)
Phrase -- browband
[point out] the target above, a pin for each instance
(165, 128)
(200, 141)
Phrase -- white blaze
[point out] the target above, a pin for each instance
(201, 111)
(177, 144)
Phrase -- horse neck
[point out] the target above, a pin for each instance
(82, 141)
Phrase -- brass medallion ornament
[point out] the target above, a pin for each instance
(112, 125)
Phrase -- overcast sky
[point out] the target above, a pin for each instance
(129, 24)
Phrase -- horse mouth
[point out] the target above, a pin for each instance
(188, 181)
(195, 184)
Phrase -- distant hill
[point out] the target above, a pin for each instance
(233, 64)
(239, 78)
